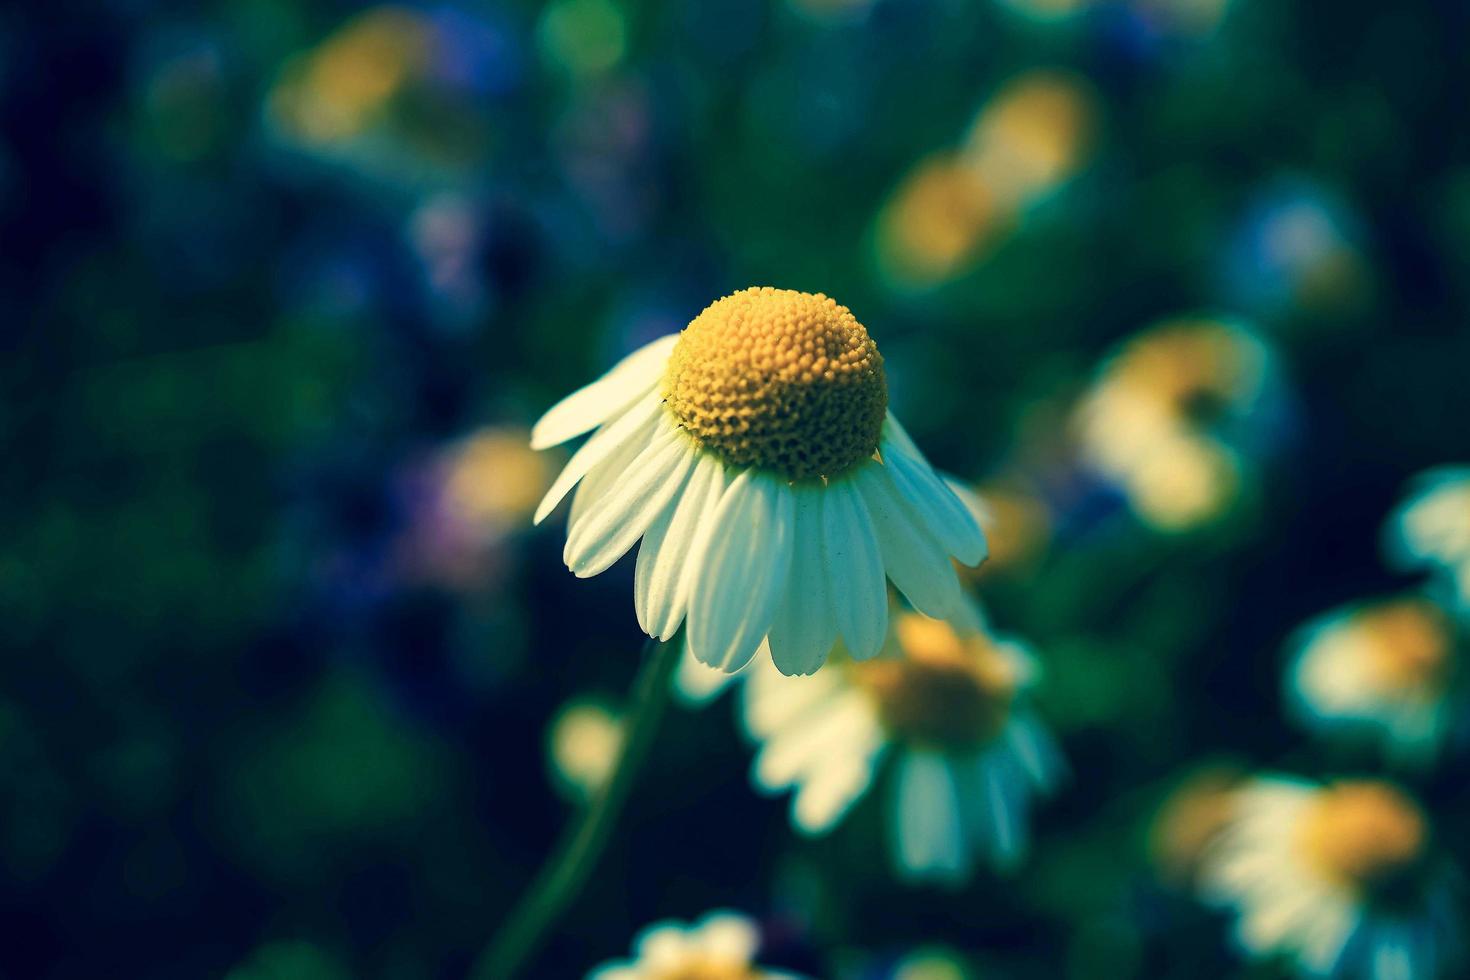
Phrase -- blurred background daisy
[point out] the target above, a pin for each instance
(1343, 879)
(945, 709)
(1388, 669)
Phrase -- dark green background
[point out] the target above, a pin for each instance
(226, 725)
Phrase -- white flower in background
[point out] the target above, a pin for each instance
(948, 706)
(755, 457)
(1431, 529)
(1383, 668)
(1175, 417)
(721, 946)
(582, 746)
(1340, 879)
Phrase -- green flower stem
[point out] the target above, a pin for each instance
(565, 872)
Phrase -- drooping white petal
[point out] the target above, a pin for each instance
(601, 478)
(912, 558)
(804, 630)
(614, 523)
(742, 571)
(638, 424)
(930, 840)
(587, 408)
(667, 559)
(854, 569)
(941, 512)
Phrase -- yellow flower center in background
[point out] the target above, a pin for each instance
(1363, 833)
(941, 690)
(1411, 642)
(1199, 370)
(778, 379)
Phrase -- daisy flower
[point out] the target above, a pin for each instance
(1174, 418)
(1384, 668)
(755, 457)
(949, 705)
(1340, 879)
(1431, 529)
(721, 946)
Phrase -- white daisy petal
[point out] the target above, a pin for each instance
(842, 725)
(744, 566)
(637, 424)
(586, 408)
(663, 581)
(855, 586)
(601, 478)
(613, 524)
(772, 700)
(931, 840)
(912, 558)
(803, 631)
(831, 790)
(941, 512)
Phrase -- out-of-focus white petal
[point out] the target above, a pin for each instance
(931, 841)
(727, 937)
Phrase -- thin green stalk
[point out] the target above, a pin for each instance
(565, 872)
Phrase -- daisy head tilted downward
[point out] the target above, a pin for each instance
(755, 457)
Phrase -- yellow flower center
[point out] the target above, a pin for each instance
(1199, 371)
(1363, 834)
(782, 380)
(1411, 641)
(941, 690)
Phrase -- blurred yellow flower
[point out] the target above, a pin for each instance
(337, 90)
(937, 221)
(721, 946)
(1338, 877)
(954, 205)
(583, 742)
(1431, 528)
(494, 479)
(1032, 134)
(950, 703)
(1382, 668)
(1162, 418)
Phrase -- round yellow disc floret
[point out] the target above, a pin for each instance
(782, 380)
